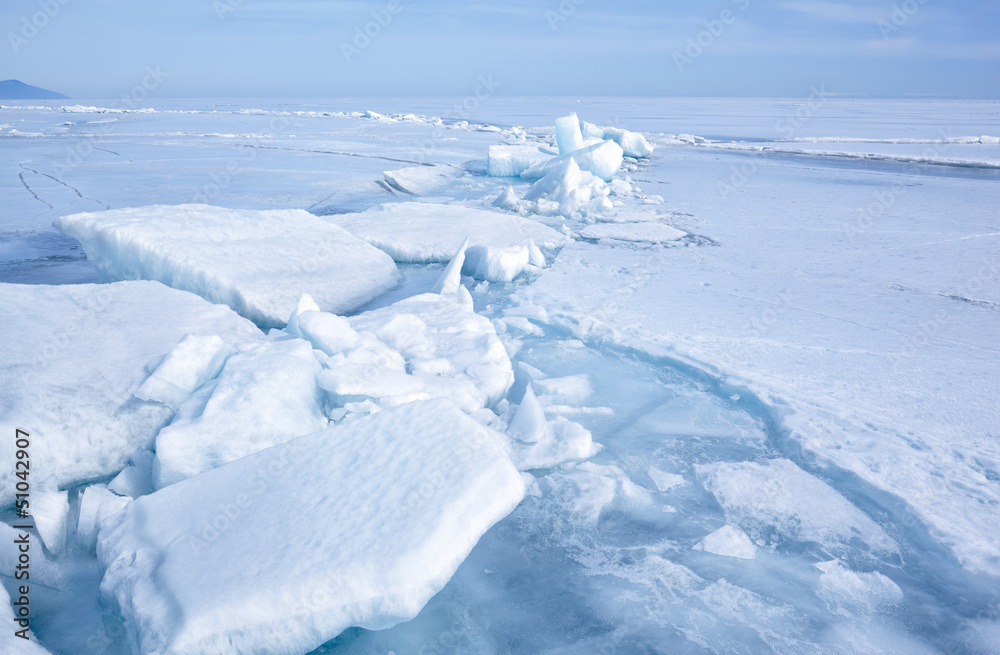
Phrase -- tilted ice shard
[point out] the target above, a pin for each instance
(279, 552)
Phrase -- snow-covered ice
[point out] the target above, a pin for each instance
(73, 356)
(359, 525)
(257, 262)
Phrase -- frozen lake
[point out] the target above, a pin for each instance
(795, 401)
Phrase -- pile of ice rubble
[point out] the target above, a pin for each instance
(576, 178)
(250, 492)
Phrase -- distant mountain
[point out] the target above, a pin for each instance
(17, 90)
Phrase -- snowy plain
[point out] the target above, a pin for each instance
(753, 395)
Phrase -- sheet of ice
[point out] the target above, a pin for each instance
(97, 504)
(568, 135)
(422, 180)
(73, 356)
(776, 500)
(257, 262)
(602, 159)
(851, 593)
(728, 541)
(265, 395)
(136, 479)
(50, 511)
(511, 161)
(417, 232)
(385, 509)
(644, 232)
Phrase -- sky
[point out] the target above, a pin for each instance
(406, 48)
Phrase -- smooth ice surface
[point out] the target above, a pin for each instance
(430, 232)
(50, 511)
(359, 525)
(257, 262)
(644, 232)
(265, 395)
(73, 356)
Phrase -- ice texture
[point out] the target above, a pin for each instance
(278, 552)
(73, 358)
(257, 262)
(570, 189)
(633, 144)
(265, 395)
(10, 643)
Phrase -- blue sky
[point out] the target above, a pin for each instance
(307, 48)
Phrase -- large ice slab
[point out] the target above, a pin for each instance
(73, 356)
(415, 232)
(358, 525)
(257, 262)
